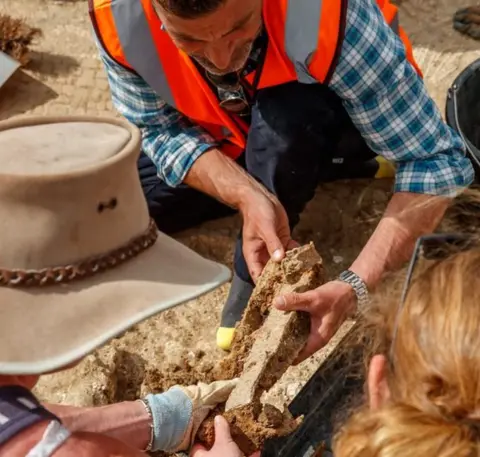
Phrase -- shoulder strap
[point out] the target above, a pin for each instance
(53, 438)
(19, 410)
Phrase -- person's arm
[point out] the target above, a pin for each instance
(407, 217)
(169, 421)
(174, 144)
(171, 141)
(185, 153)
(389, 104)
(85, 444)
(266, 233)
(127, 421)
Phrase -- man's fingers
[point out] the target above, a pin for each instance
(223, 440)
(255, 269)
(320, 335)
(258, 261)
(305, 301)
(314, 343)
(292, 244)
(222, 431)
(254, 261)
(275, 247)
(198, 451)
(256, 257)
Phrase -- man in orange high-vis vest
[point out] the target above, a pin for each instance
(254, 103)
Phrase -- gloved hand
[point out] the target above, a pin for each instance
(179, 412)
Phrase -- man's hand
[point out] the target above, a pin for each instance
(224, 445)
(407, 217)
(328, 306)
(266, 232)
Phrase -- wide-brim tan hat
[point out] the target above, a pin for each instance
(80, 259)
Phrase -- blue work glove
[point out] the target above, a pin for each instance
(178, 413)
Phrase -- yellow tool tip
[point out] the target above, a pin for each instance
(386, 169)
(225, 338)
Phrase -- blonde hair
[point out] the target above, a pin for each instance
(434, 367)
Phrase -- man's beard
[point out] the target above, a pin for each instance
(238, 62)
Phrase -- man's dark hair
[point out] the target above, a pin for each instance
(190, 9)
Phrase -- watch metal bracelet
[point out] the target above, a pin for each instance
(358, 286)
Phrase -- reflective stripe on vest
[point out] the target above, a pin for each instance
(301, 40)
(139, 46)
(302, 29)
(301, 35)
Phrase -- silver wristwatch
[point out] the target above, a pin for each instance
(358, 286)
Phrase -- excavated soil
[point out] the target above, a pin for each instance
(66, 77)
(251, 428)
(269, 342)
(289, 276)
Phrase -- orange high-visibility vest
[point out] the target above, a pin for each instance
(304, 42)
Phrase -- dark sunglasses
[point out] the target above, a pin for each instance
(234, 101)
(438, 246)
(231, 94)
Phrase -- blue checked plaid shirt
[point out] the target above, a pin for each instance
(381, 91)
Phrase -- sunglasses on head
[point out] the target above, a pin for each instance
(438, 246)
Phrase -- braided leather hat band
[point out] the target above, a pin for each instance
(81, 270)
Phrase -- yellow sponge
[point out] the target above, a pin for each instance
(225, 338)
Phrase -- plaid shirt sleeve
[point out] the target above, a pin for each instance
(168, 138)
(389, 104)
